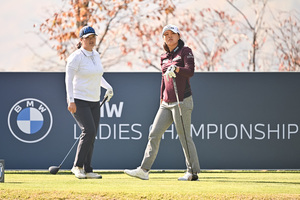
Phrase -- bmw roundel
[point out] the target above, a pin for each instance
(30, 120)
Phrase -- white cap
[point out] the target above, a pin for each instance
(171, 28)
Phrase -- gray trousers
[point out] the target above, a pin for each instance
(166, 115)
(87, 117)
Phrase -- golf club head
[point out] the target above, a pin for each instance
(53, 169)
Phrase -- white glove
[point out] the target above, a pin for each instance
(170, 73)
(109, 93)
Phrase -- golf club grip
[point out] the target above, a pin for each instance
(104, 100)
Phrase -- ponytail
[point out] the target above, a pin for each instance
(79, 45)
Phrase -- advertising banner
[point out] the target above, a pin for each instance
(239, 121)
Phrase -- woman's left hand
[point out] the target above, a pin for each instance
(170, 73)
(109, 93)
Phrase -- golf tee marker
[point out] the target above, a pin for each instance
(2, 171)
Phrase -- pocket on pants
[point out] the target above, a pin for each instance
(188, 103)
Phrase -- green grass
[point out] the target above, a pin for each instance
(162, 185)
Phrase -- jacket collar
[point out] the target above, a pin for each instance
(87, 53)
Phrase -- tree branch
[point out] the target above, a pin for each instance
(251, 27)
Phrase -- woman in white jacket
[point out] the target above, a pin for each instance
(84, 79)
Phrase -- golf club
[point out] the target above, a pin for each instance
(55, 169)
(194, 177)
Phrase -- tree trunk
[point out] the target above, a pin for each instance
(80, 23)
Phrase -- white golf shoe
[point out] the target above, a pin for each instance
(93, 175)
(189, 177)
(138, 173)
(78, 172)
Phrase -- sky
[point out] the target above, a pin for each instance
(17, 19)
(19, 42)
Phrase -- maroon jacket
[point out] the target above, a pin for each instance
(183, 58)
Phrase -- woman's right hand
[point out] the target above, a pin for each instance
(72, 107)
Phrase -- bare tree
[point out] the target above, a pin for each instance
(257, 29)
(286, 37)
(211, 35)
(130, 32)
(118, 20)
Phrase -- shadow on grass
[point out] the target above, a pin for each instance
(6, 183)
(64, 171)
(97, 171)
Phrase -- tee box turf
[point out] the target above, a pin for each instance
(1, 171)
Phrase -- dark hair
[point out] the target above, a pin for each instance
(166, 48)
(180, 44)
(79, 45)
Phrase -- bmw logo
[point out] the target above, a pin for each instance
(30, 120)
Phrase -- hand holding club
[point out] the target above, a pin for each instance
(108, 94)
(170, 73)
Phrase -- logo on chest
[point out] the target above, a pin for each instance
(176, 58)
(165, 61)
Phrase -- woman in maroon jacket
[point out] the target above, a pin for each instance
(177, 63)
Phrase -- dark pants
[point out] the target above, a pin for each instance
(87, 117)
